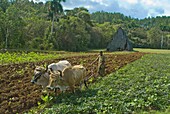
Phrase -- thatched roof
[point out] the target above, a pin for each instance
(120, 42)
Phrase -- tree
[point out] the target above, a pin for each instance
(85, 16)
(54, 10)
(71, 34)
(96, 37)
(4, 4)
(14, 27)
(2, 18)
(80, 12)
(108, 31)
(154, 37)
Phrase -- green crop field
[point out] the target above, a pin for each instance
(152, 50)
(20, 57)
(140, 87)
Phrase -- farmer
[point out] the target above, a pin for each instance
(101, 64)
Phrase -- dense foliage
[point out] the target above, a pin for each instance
(25, 24)
(142, 86)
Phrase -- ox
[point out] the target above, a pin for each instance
(69, 77)
(59, 66)
(41, 75)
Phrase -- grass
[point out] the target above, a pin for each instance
(152, 50)
(147, 50)
(140, 87)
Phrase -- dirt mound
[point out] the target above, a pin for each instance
(18, 94)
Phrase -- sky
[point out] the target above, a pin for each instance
(134, 8)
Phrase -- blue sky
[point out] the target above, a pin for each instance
(134, 8)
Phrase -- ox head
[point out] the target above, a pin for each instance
(39, 73)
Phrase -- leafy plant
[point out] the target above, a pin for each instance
(46, 98)
(17, 57)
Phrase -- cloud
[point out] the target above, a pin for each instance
(155, 12)
(133, 8)
(135, 11)
(131, 1)
(93, 5)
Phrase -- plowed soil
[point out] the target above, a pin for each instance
(18, 94)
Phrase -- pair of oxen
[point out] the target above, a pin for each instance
(61, 75)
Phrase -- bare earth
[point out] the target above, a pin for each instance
(18, 94)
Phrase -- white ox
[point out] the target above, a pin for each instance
(69, 77)
(59, 66)
(41, 75)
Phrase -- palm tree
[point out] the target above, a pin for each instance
(54, 10)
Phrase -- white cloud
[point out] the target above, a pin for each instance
(165, 4)
(134, 8)
(131, 1)
(145, 8)
(148, 2)
(167, 11)
(101, 2)
(156, 7)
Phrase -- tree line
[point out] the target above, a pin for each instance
(26, 24)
